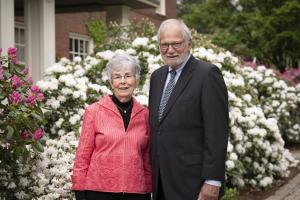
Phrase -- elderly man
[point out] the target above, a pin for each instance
(188, 105)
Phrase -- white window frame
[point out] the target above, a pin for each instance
(86, 50)
(18, 27)
(161, 9)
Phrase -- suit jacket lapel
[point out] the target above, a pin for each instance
(180, 85)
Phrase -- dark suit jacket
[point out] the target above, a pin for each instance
(189, 144)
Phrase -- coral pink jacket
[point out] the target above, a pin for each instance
(108, 158)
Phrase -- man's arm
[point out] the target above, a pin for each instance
(215, 117)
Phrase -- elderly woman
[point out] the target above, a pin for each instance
(112, 159)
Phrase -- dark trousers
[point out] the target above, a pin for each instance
(160, 192)
(93, 195)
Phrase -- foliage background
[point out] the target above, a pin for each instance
(267, 30)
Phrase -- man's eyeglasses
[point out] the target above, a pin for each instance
(174, 45)
(118, 77)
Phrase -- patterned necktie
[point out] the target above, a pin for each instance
(167, 94)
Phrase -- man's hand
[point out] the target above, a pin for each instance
(209, 192)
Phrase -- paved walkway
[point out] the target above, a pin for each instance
(291, 190)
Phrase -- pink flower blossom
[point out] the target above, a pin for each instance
(15, 81)
(40, 96)
(35, 89)
(12, 53)
(15, 97)
(31, 99)
(38, 134)
(30, 80)
(25, 70)
(25, 134)
(1, 73)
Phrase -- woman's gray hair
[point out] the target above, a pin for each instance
(186, 33)
(120, 60)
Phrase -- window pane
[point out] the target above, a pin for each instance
(76, 45)
(81, 46)
(16, 35)
(22, 53)
(86, 47)
(22, 36)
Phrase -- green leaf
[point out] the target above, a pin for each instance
(7, 74)
(10, 132)
(36, 116)
(38, 146)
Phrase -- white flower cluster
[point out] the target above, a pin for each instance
(278, 100)
(140, 42)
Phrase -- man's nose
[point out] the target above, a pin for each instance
(170, 49)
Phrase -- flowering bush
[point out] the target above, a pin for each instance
(278, 100)
(22, 120)
(20, 107)
(256, 156)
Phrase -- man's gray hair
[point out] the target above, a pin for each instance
(186, 33)
(120, 60)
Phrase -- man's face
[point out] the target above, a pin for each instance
(173, 48)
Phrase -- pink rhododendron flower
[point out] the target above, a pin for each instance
(35, 89)
(1, 73)
(15, 97)
(38, 134)
(25, 70)
(25, 134)
(15, 81)
(12, 53)
(40, 96)
(31, 99)
(30, 80)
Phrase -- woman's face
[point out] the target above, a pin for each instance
(123, 83)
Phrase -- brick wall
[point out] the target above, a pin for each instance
(72, 23)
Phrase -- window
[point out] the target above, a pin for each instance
(20, 41)
(161, 9)
(78, 45)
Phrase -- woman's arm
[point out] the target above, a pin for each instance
(84, 151)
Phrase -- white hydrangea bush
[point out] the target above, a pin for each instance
(68, 90)
(278, 100)
(256, 156)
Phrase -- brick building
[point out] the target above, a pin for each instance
(44, 29)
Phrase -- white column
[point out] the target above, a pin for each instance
(119, 14)
(7, 25)
(40, 36)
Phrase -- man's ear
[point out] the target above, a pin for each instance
(190, 43)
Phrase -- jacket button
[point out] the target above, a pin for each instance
(158, 132)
